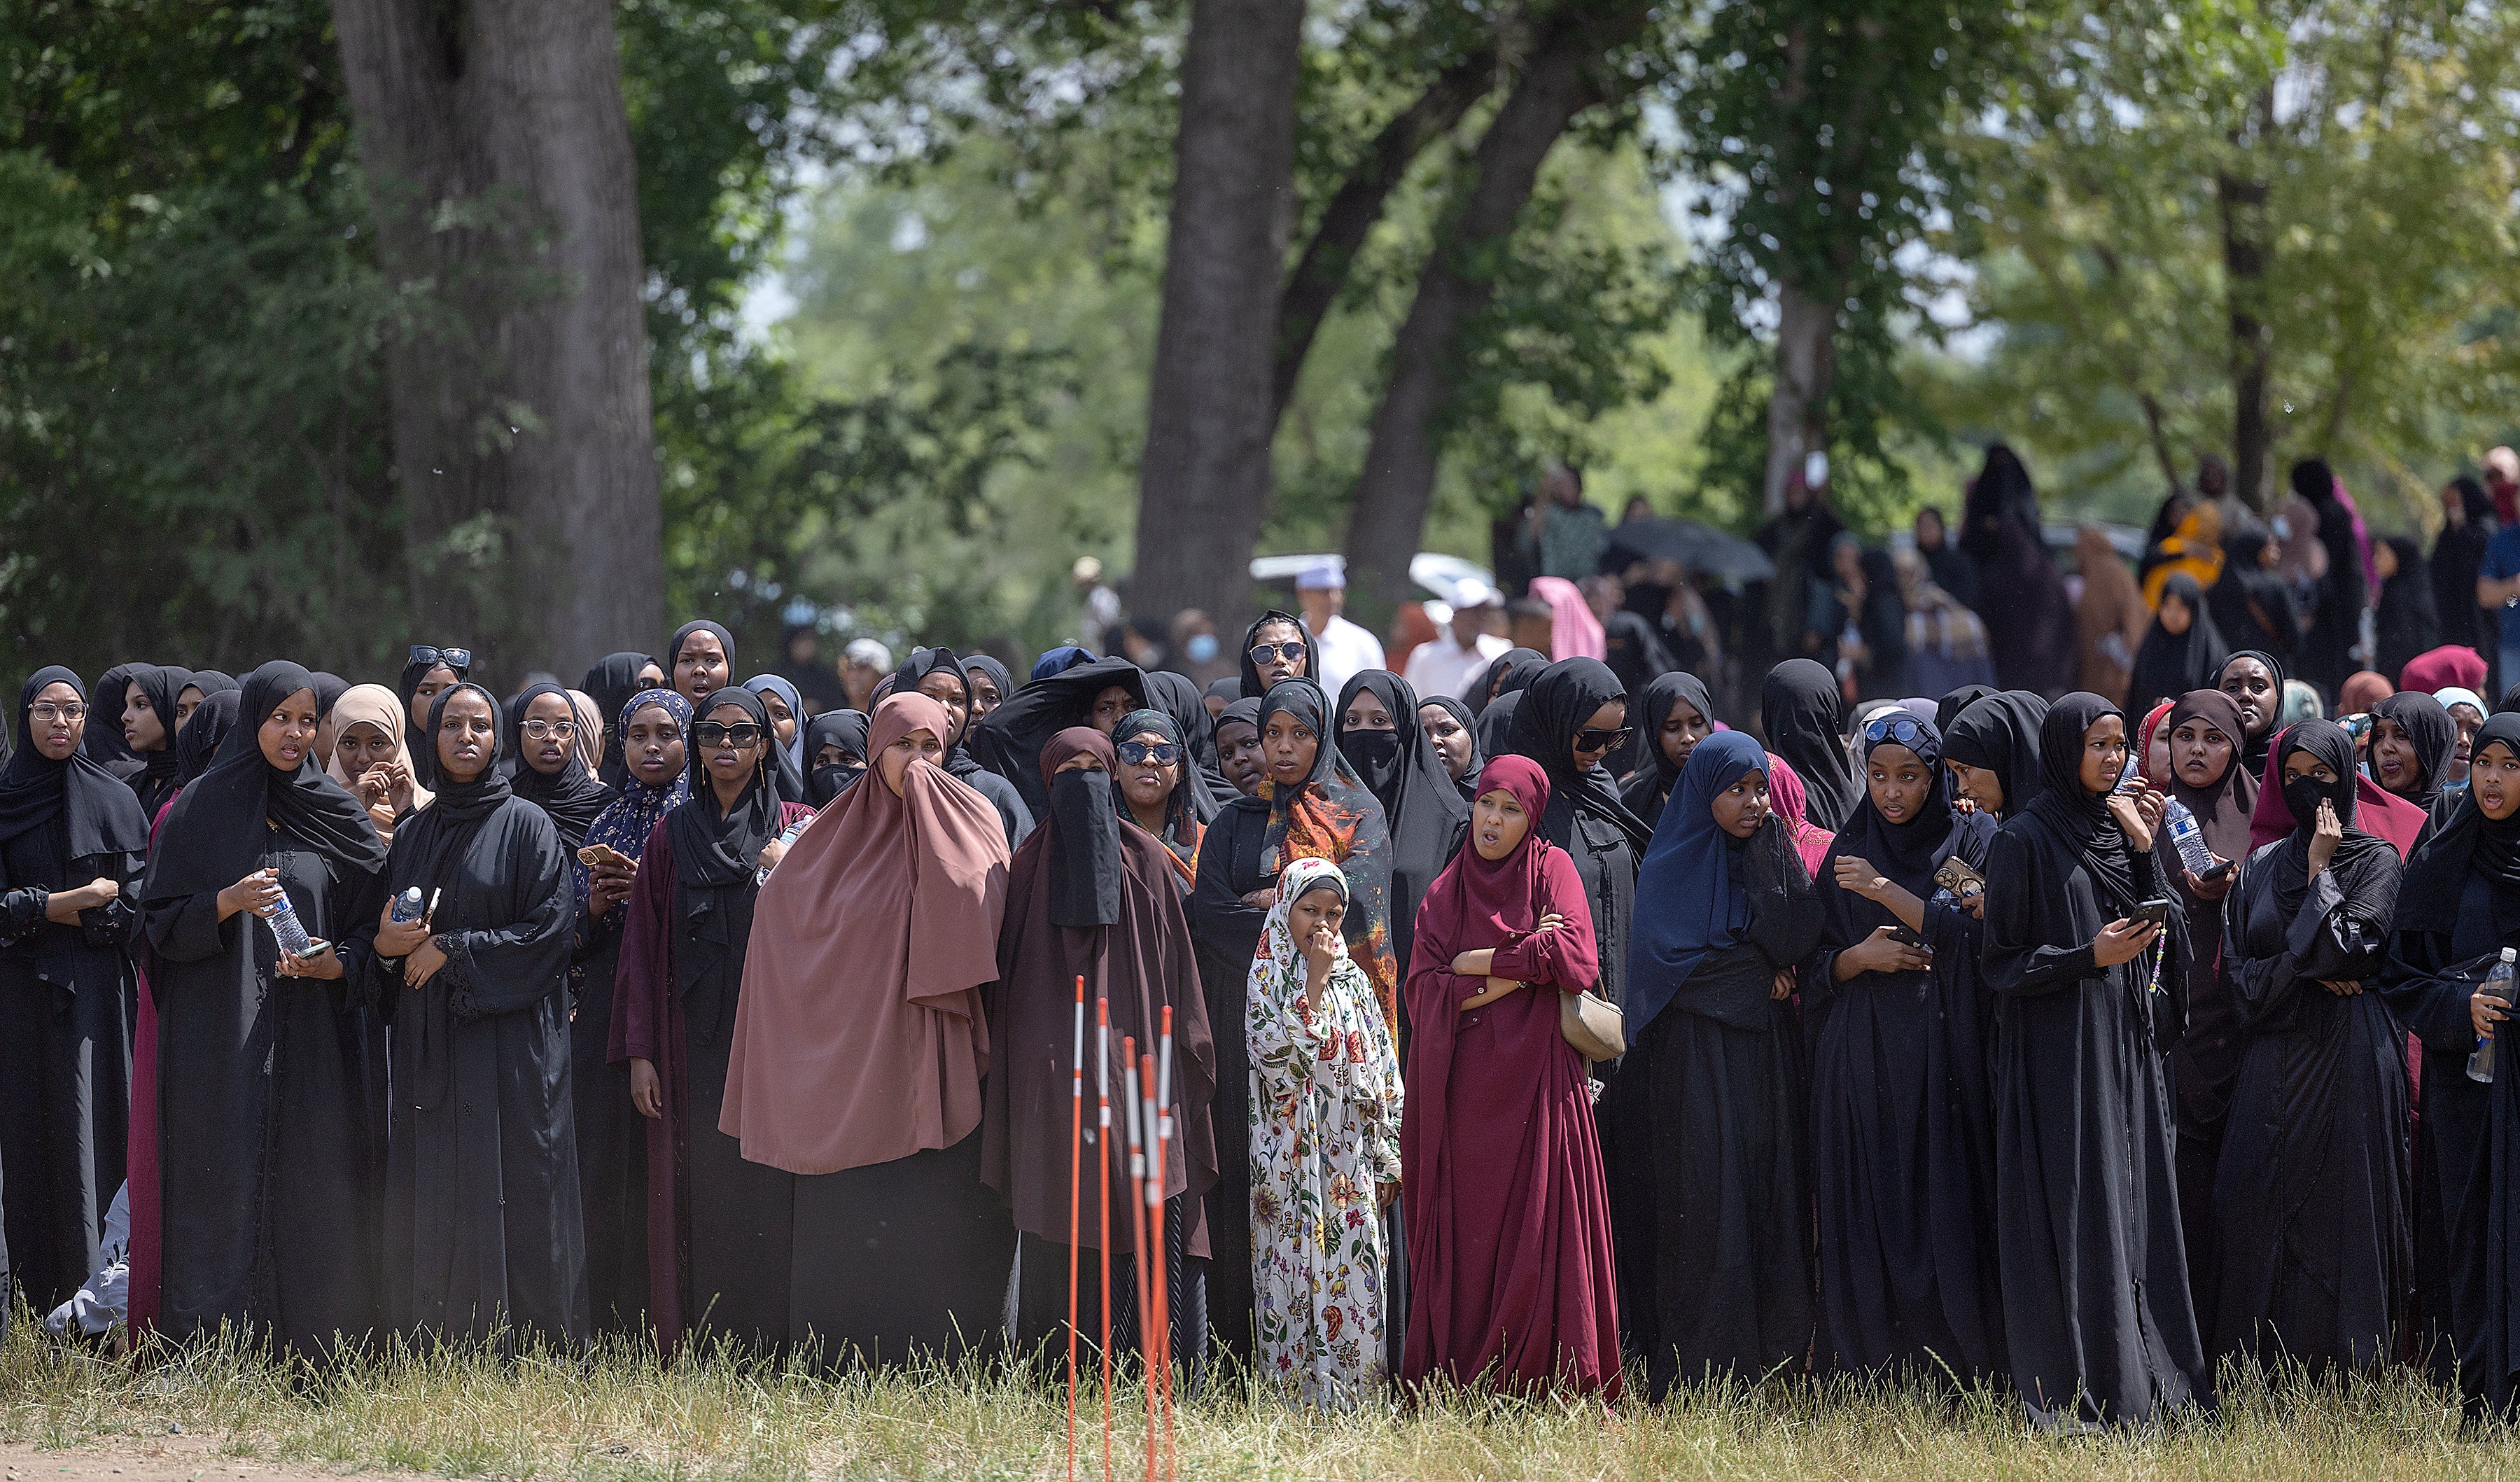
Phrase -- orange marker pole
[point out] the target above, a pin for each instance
(1163, 1177)
(1159, 1335)
(1102, 1211)
(1076, 1197)
(1138, 1228)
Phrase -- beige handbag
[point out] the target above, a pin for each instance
(1592, 1024)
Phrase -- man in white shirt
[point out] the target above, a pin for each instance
(1345, 647)
(1463, 652)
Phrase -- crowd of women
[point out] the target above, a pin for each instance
(1981, 1039)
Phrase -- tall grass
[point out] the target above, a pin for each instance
(618, 1413)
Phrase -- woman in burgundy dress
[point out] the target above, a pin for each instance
(1508, 1214)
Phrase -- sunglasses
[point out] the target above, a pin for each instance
(545, 730)
(1592, 739)
(1293, 654)
(457, 660)
(717, 732)
(1905, 731)
(1139, 754)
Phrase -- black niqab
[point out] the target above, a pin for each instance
(847, 730)
(1805, 719)
(2367, 866)
(99, 814)
(1425, 812)
(1084, 832)
(714, 847)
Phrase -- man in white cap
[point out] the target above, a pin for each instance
(1463, 652)
(863, 666)
(1345, 649)
(1101, 611)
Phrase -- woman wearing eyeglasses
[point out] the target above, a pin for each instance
(1151, 788)
(1311, 804)
(1276, 647)
(550, 768)
(1903, 1133)
(482, 1226)
(717, 1226)
(1571, 718)
(72, 845)
(430, 672)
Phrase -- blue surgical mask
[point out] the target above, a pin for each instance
(1202, 647)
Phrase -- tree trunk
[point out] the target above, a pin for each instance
(2241, 203)
(1205, 480)
(497, 154)
(1563, 77)
(1798, 398)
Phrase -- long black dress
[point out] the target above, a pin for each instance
(2099, 1320)
(2458, 905)
(482, 1223)
(2311, 1195)
(269, 1124)
(1903, 1128)
(66, 1005)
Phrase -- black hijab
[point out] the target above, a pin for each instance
(998, 673)
(104, 742)
(419, 742)
(1648, 788)
(471, 802)
(611, 683)
(2168, 665)
(674, 648)
(1084, 825)
(1908, 853)
(329, 687)
(846, 728)
(2436, 877)
(211, 682)
(1426, 814)
(1253, 686)
(1469, 786)
(223, 821)
(2253, 749)
(1948, 709)
(713, 848)
(203, 735)
(2366, 867)
(573, 796)
(1805, 719)
(1178, 696)
(1009, 739)
(1999, 734)
(1552, 712)
(2074, 813)
(98, 814)
(2428, 724)
(1506, 674)
(154, 783)
(1247, 712)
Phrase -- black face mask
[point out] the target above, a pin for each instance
(1375, 755)
(2303, 795)
(1085, 884)
(830, 782)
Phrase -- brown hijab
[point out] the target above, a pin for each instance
(860, 1037)
(2222, 808)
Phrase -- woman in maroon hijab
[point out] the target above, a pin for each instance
(1508, 1213)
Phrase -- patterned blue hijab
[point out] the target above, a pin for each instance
(634, 810)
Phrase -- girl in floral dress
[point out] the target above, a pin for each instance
(1324, 1124)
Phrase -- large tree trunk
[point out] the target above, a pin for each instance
(497, 152)
(1204, 481)
(2241, 203)
(1798, 400)
(1563, 77)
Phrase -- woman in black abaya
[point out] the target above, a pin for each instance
(2336, 616)
(482, 1225)
(269, 1146)
(2099, 1320)
(2181, 651)
(103, 740)
(1679, 713)
(835, 755)
(1903, 1129)
(1454, 733)
(1992, 751)
(72, 847)
(2458, 907)
(2314, 1254)
(1276, 646)
(147, 718)
(2255, 681)
(946, 678)
(550, 756)
(1175, 695)
(1380, 735)
(1704, 1126)
(1573, 715)
(1805, 720)
(2412, 737)
(431, 671)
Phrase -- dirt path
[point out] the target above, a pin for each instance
(159, 1458)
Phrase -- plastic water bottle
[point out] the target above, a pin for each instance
(291, 932)
(2189, 838)
(2497, 987)
(408, 905)
(787, 837)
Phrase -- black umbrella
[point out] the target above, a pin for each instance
(1699, 548)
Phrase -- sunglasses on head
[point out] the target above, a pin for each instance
(1293, 652)
(1138, 753)
(717, 732)
(1904, 730)
(457, 660)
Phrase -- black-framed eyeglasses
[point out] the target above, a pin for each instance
(45, 712)
(1292, 652)
(717, 732)
(457, 660)
(1904, 730)
(1591, 740)
(1138, 753)
(544, 729)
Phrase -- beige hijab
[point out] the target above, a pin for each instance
(381, 708)
(859, 1037)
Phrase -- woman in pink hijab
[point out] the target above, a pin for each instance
(1787, 800)
(859, 1047)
